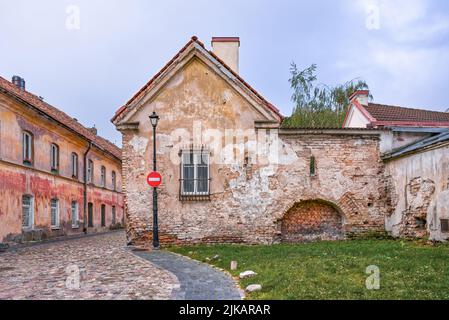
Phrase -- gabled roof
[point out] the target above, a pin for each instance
(122, 111)
(387, 115)
(383, 112)
(59, 116)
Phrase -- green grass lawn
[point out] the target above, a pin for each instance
(336, 270)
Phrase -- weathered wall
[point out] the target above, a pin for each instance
(420, 194)
(248, 202)
(17, 180)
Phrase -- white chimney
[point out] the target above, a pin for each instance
(361, 96)
(227, 49)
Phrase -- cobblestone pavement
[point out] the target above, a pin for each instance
(198, 280)
(106, 271)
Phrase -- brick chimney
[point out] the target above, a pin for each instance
(93, 130)
(18, 82)
(361, 96)
(227, 49)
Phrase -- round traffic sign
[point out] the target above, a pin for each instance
(154, 179)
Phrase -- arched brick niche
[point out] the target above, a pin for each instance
(312, 220)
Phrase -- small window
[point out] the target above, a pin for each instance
(114, 215)
(27, 212)
(445, 225)
(195, 173)
(103, 177)
(54, 157)
(90, 214)
(312, 166)
(74, 165)
(27, 144)
(90, 171)
(75, 215)
(114, 181)
(54, 213)
(103, 215)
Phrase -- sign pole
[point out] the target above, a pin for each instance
(154, 120)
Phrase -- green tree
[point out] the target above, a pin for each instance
(318, 105)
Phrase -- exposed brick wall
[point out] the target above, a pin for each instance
(248, 202)
(310, 221)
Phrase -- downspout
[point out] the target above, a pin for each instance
(85, 187)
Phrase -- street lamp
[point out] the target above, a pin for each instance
(154, 118)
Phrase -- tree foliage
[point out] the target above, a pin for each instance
(318, 105)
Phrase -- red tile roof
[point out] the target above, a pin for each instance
(387, 113)
(194, 39)
(59, 116)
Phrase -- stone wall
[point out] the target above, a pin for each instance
(248, 205)
(420, 194)
(250, 195)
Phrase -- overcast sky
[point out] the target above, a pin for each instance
(400, 47)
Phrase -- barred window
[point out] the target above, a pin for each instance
(27, 212)
(195, 173)
(54, 213)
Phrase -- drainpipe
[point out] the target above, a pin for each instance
(85, 187)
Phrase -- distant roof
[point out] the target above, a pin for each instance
(418, 146)
(387, 113)
(123, 110)
(59, 116)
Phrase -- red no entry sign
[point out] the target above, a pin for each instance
(154, 179)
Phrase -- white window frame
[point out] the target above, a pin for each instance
(114, 180)
(54, 157)
(74, 162)
(197, 154)
(75, 214)
(30, 225)
(27, 147)
(57, 217)
(90, 171)
(103, 177)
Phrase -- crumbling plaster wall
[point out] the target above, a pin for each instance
(420, 194)
(248, 200)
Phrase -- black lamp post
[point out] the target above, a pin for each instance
(154, 118)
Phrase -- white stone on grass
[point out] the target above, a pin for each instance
(253, 288)
(233, 265)
(247, 274)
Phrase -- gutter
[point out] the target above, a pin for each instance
(85, 187)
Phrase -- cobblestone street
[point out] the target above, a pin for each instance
(106, 271)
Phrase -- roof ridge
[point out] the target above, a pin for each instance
(195, 39)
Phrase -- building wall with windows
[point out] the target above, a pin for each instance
(42, 175)
(222, 194)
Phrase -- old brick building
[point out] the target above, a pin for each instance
(231, 172)
(416, 158)
(57, 177)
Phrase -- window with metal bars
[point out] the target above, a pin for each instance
(195, 173)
